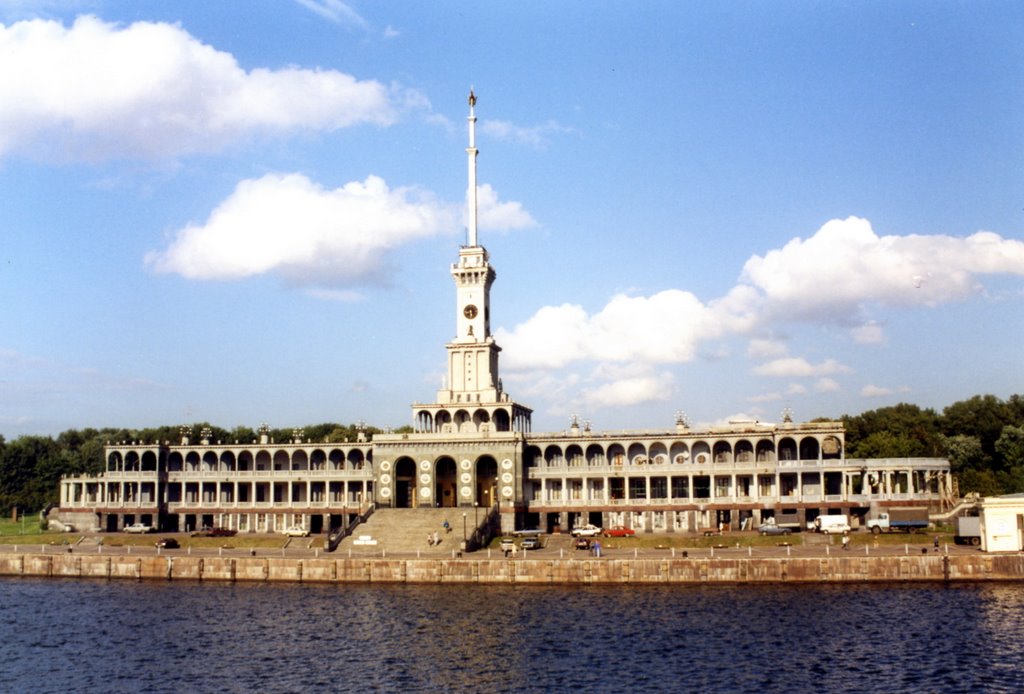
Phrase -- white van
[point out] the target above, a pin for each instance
(836, 524)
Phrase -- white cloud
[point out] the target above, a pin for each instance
(798, 366)
(837, 276)
(99, 91)
(536, 136)
(765, 348)
(845, 266)
(334, 11)
(290, 225)
(496, 215)
(873, 391)
(826, 385)
(311, 236)
(868, 334)
(663, 328)
(626, 391)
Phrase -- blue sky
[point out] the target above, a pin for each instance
(244, 212)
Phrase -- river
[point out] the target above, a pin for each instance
(98, 636)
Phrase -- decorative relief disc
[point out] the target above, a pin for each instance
(506, 492)
(506, 477)
(385, 465)
(506, 464)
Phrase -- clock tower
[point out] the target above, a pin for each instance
(473, 354)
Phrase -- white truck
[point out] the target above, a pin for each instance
(968, 531)
(834, 524)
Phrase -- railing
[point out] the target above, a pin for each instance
(334, 538)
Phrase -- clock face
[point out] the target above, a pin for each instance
(469, 311)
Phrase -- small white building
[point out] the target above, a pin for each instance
(1002, 523)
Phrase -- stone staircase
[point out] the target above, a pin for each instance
(404, 531)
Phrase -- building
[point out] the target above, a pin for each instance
(474, 447)
(1002, 523)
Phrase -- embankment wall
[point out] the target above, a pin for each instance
(931, 567)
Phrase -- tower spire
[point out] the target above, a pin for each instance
(472, 152)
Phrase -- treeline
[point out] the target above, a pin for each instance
(31, 466)
(983, 437)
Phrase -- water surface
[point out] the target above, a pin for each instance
(78, 635)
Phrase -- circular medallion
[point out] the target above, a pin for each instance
(466, 491)
(385, 492)
(385, 478)
(425, 478)
(470, 311)
(425, 492)
(424, 465)
(506, 492)
(466, 478)
(506, 464)
(506, 477)
(465, 464)
(385, 465)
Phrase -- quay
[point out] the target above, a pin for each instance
(695, 568)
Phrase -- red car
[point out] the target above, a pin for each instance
(619, 531)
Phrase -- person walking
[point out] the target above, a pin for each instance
(846, 540)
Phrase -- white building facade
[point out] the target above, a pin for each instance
(474, 447)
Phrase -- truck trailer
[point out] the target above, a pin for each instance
(968, 531)
(905, 520)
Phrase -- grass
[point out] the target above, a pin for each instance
(240, 541)
(26, 529)
(751, 539)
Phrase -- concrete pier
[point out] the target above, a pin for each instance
(704, 570)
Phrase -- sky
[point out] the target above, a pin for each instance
(245, 212)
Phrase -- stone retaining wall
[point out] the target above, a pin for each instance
(931, 567)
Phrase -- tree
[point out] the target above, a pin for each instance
(1010, 447)
(914, 432)
(983, 416)
(964, 453)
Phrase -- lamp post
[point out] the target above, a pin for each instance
(464, 530)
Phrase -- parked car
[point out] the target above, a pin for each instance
(138, 528)
(772, 529)
(296, 531)
(531, 543)
(215, 532)
(587, 530)
(507, 544)
(619, 531)
(582, 543)
(167, 543)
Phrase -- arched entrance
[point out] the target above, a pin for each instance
(444, 483)
(405, 483)
(486, 482)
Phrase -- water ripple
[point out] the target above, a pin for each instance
(58, 636)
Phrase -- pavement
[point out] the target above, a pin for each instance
(554, 547)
